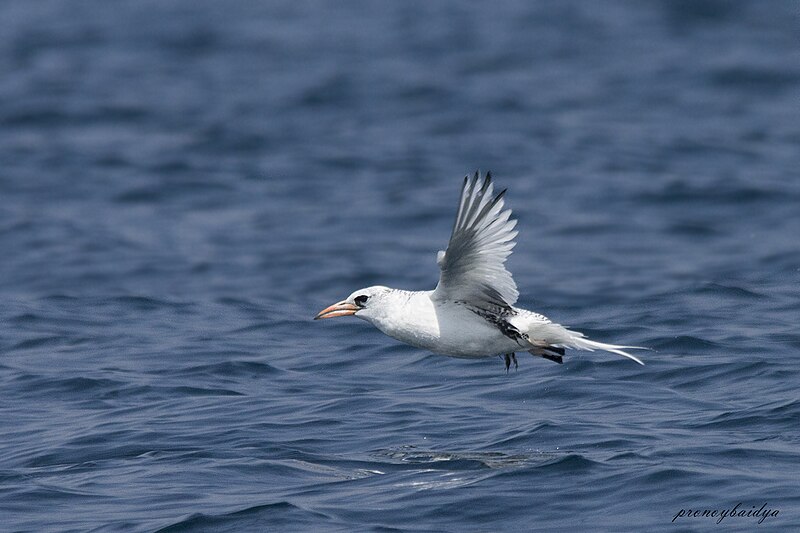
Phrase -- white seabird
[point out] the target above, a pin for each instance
(471, 312)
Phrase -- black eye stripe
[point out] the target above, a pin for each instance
(361, 299)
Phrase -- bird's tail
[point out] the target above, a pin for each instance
(582, 343)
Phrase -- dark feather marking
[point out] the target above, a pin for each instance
(555, 358)
(498, 318)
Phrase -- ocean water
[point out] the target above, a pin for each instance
(183, 185)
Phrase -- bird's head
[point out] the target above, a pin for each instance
(363, 303)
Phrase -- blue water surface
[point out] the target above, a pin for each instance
(184, 184)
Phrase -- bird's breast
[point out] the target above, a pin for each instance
(414, 322)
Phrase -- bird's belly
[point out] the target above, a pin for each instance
(456, 332)
(480, 339)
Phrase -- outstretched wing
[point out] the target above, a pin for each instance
(473, 267)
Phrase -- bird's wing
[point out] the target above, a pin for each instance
(473, 267)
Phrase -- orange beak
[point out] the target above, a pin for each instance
(338, 309)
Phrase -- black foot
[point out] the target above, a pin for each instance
(508, 358)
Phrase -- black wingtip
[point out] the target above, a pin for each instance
(485, 185)
(476, 177)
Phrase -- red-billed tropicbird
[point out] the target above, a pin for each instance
(471, 312)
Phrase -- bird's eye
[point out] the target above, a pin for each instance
(361, 300)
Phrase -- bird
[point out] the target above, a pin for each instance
(471, 312)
